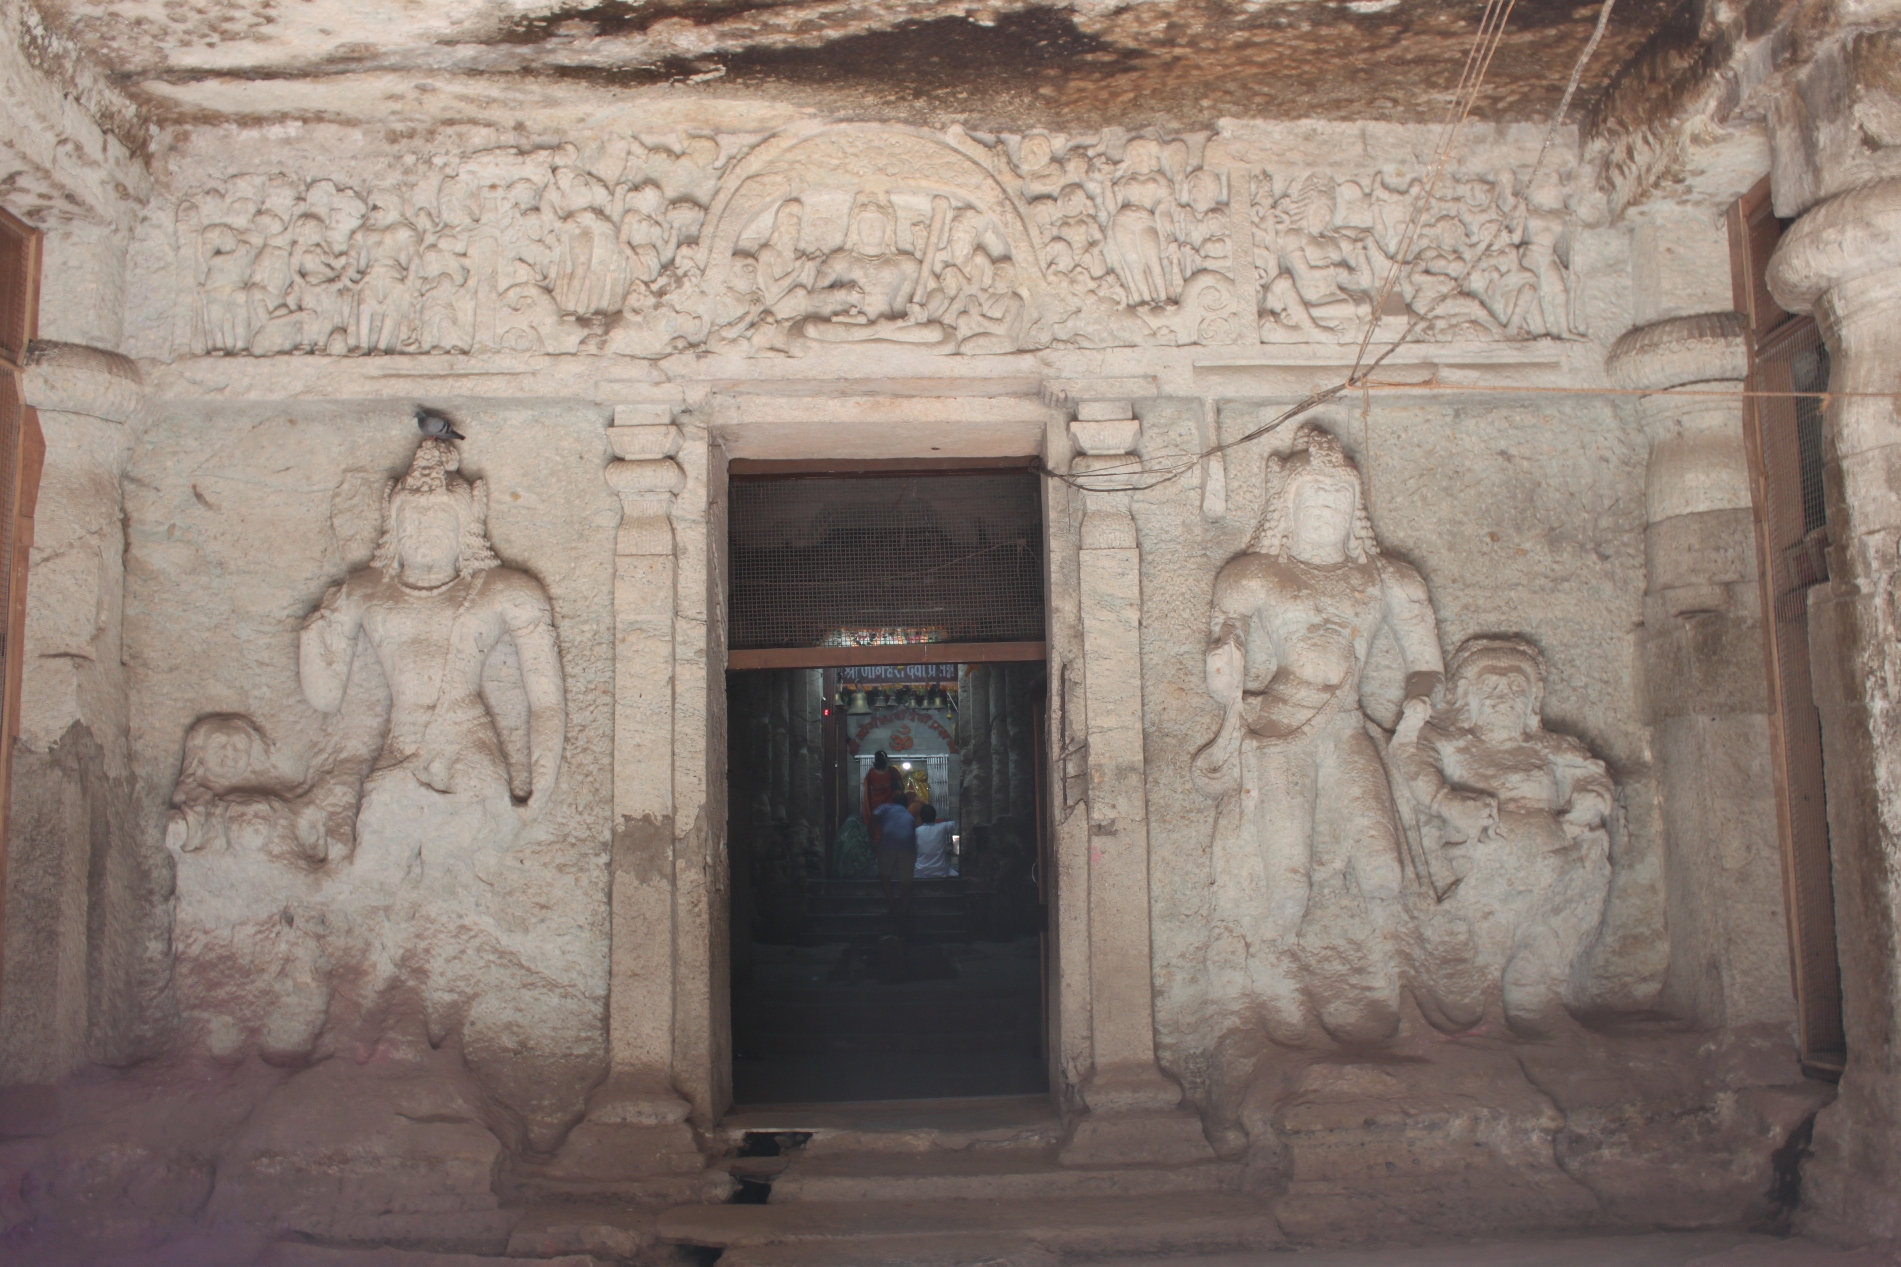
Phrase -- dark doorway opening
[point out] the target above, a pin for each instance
(897, 614)
(849, 983)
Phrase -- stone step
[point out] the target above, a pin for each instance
(904, 1126)
(290, 1254)
(942, 1251)
(549, 1231)
(983, 1175)
(924, 888)
(1187, 1223)
(851, 925)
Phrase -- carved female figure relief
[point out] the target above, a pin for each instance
(1510, 842)
(1307, 844)
(434, 603)
(1135, 229)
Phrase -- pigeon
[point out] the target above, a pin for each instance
(436, 425)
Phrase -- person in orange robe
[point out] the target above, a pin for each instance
(881, 786)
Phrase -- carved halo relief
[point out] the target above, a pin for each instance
(856, 233)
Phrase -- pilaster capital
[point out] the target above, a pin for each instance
(1105, 433)
(1707, 347)
(649, 479)
(646, 487)
(76, 379)
(1852, 241)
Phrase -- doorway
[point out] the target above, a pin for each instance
(861, 969)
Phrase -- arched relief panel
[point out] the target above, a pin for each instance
(833, 164)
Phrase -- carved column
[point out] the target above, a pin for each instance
(1704, 691)
(1842, 261)
(636, 1121)
(974, 716)
(80, 893)
(1135, 1110)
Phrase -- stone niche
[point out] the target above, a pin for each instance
(1408, 905)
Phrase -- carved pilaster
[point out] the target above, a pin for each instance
(1842, 261)
(1135, 1110)
(54, 1012)
(1704, 691)
(636, 1122)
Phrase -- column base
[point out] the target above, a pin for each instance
(1136, 1118)
(634, 1129)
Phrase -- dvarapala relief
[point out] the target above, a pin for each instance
(949, 242)
(357, 878)
(1464, 858)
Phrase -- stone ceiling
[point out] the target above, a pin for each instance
(1180, 63)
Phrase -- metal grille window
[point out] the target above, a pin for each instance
(885, 560)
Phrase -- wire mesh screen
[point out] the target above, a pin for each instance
(878, 560)
(1789, 441)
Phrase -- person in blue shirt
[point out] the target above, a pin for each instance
(896, 848)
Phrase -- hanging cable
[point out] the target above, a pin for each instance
(1478, 61)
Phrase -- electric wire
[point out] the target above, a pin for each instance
(1485, 45)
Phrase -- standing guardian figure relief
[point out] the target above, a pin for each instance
(344, 896)
(433, 603)
(1465, 859)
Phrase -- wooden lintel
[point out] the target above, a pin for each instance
(904, 653)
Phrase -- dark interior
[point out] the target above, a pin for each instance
(838, 995)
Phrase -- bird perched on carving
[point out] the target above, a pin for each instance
(436, 425)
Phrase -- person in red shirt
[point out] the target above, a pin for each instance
(882, 784)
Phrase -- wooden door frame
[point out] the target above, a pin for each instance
(23, 244)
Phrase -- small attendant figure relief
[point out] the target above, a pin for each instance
(1307, 843)
(1135, 230)
(384, 251)
(230, 796)
(786, 274)
(434, 602)
(250, 968)
(1510, 843)
(1036, 163)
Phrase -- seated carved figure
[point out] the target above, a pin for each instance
(1509, 842)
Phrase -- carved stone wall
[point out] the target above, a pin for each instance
(439, 914)
(649, 245)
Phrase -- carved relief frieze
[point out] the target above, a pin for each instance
(1482, 257)
(943, 242)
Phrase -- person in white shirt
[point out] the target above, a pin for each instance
(933, 845)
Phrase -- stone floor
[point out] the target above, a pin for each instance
(1694, 1249)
